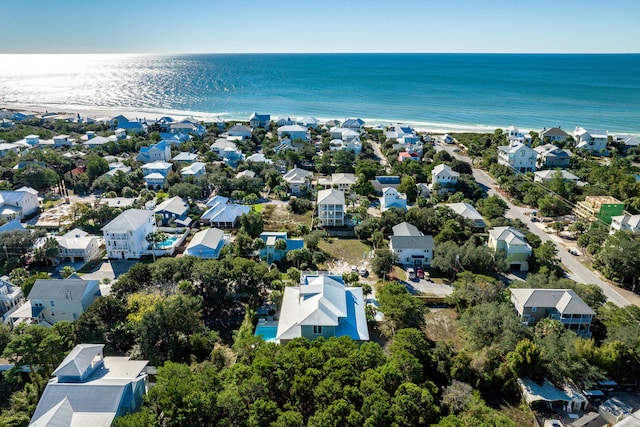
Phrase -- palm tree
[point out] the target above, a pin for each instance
(154, 238)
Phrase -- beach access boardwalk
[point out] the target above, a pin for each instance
(576, 270)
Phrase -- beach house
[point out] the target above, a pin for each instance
(160, 151)
(509, 243)
(88, 389)
(625, 222)
(260, 121)
(444, 179)
(298, 180)
(125, 236)
(78, 245)
(322, 306)
(410, 247)
(272, 251)
(11, 296)
(183, 159)
(294, 133)
(355, 124)
(308, 122)
(563, 305)
(516, 136)
(391, 199)
(547, 175)
(341, 181)
(551, 157)
(467, 211)
(239, 131)
(187, 126)
(227, 151)
(173, 211)
(331, 208)
(18, 204)
(55, 300)
(519, 157)
(552, 135)
(194, 170)
(207, 243)
(155, 174)
(593, 140)
(222, 214)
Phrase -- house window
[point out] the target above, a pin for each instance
(317, 329)
(534, 309)
(53, 304)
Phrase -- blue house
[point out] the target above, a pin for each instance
(260, 121)
(207, 244)
(160, 151)
(174, 209)
(269, 253)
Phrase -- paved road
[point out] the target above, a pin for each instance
(577, 271)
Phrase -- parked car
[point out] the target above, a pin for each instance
(364, 272)
(411, 273)
(420, 273)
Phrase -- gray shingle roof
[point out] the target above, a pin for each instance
(52, 289)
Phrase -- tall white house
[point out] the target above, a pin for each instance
(519, 157)
(591, 139)
(331, 208)
(125, 236)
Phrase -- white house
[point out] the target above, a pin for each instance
(510, 243)
(445, 177)
(185, 158)
(519, 157)
(6, 148)
(594, 140)
(392, 199)
(353, 144)
(88, 389)
(285, 121)
(308, 122)
(410, 247)
(160, 167)
(331, 208)
(467, 211)
(625, 222)
(154, 181)
(10, 296)
(322, 306)
(341, 181)
(18, 204)
(52, 301)
(514, 135)
(344, 134)
(294, 132)
(298, 180)
(240, 131)
(77, 245)
(207, 243)
(125, 236)
(548, 175)
(195, 170)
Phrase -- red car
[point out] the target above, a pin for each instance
(420, 273)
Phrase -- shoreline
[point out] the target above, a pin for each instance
(154, 114)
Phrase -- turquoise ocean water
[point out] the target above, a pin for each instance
(456, 91)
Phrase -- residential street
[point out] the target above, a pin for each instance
(577, 271)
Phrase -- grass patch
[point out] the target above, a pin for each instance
(279, 218)
(257, 208)
(348, 250)
(51, 203)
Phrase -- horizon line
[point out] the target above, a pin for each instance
(323, 53)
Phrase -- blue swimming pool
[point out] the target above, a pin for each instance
(266, 332)
(167, 243)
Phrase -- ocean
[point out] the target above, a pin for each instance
(447, 92)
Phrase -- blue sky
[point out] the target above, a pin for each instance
(217, 26)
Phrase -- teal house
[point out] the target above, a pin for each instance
(274, 251)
